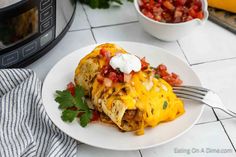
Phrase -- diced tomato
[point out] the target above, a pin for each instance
(200, 15)
(100, 78)
(174, 75)
(151, 2)
(178, 82)
(71, 88)
(180, 2)
(173, 79)
(149, 14)
(105, 54)
(105, 70)
(144, 11)
(175, 82)
(144, 64)
(172, 11)
(195, 7)
(192, 13)
(167, 78)
(112, 76)
(95, 115)
(162, 67)
(163, 73)
(198, 3)
(120, 77)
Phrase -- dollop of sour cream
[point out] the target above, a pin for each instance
(125, 63)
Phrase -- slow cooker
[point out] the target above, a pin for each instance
(30, 28)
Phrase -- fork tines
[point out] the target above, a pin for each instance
(190, 92)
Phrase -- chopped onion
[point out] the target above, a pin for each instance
(127, 77)
(107, 82)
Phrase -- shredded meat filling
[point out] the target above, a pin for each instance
(132, 114)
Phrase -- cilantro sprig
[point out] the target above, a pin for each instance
(72, 106)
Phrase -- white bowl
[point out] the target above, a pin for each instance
(170, 31)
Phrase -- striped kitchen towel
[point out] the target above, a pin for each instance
(25, 128)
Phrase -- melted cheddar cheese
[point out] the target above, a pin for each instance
(149, 97)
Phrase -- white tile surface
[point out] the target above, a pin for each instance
(230, 127)
(71, 42)
(80, 20)
(207, 44)
(114, 15)
(134, 32)
(211, 42)
(207, 115)
(200, 138)
(220, 77)
(221, 114)
(89, 151)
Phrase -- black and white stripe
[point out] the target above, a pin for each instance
(25, 128)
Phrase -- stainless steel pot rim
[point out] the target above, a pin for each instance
(6, 3)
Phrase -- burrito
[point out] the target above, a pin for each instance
(131, 101)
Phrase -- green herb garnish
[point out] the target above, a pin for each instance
(156, 76)
(165, 104)
(77, 102)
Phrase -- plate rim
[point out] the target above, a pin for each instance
(124, 149)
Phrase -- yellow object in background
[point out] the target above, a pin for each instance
(228, 5)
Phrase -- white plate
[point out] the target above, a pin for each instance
(109, 137)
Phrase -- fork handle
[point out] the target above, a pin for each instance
(227, 111)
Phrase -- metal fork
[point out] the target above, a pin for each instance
(200, 94)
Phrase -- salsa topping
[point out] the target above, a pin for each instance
(108, 75)
(173, 79)
(172, 11)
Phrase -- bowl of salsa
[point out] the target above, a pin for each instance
(171, 20)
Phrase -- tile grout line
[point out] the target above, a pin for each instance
(105, 25)
(226, 118)
(89, 23)
(213, 61)
(82, 29)
(217, 118)
(140, 153)
(94, 38)
(86, 15)
(227, 135)
(118, 24)
(183, 53)
(214, 121)
(206, 122)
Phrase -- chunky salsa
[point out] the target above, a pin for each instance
(172, 11)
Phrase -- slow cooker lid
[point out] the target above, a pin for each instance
(7, 3)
